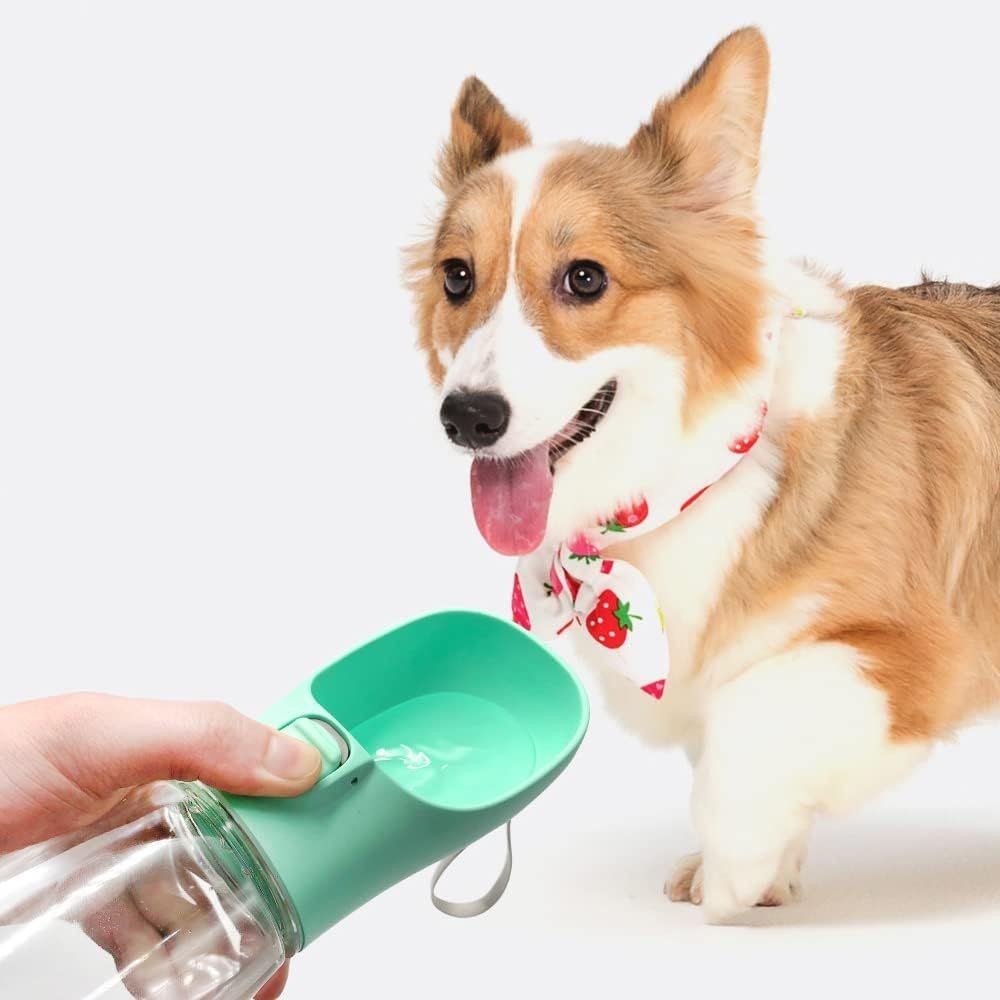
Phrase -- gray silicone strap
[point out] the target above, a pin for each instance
(473, 907)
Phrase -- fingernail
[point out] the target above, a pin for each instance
(290, 759)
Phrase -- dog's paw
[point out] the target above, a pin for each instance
(786, 888)
(686, 885)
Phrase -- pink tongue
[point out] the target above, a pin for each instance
(511, 500)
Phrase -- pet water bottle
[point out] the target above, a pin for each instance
(431, 736)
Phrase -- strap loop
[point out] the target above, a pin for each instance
(472, 907)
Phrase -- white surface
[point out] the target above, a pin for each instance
(209, 406)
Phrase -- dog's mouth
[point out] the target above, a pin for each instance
(584, 423)
(511, 496)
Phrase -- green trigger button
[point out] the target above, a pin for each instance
(331, 746)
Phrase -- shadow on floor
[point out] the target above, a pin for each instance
(894, 874)
(859, 872)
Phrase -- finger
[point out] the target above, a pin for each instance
(192, 960)
(275, 986)
(137, 949)
(217, 948)
(118, 851)
(178, 891)
(169, 896)
(207, 926)
(106, 743)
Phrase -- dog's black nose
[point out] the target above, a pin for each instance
(475, 419)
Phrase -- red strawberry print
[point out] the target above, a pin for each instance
(656, 688)
(690, 500)
(610, 621)
(742, 445)
(517, 606)
(626, 517)
(574, 586)
(581, 550)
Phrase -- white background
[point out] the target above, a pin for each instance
(220, 465)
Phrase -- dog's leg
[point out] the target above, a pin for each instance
(801, 733)
(686, 884)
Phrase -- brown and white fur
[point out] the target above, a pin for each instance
(832, 604)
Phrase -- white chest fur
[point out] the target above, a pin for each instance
(688, 560)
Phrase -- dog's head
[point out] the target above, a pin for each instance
(585, 309)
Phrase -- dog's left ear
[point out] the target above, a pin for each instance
(709, 133)
(481, 129)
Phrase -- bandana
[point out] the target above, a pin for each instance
(569, 584)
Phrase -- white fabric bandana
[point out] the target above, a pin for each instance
(569, 584)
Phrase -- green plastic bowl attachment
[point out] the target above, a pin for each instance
(432, 735)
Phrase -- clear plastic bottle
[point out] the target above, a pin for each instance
(164, 899)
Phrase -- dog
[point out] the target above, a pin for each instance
(831, 602)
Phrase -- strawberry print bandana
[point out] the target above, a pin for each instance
(569, 584)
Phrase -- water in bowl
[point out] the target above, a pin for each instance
(450, 748)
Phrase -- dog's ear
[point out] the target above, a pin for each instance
(481, 129)
(709, 133)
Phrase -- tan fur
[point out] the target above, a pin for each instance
(475, 227)
(889, 509)
(710, 131)
(888, 505)
(670, 226)
(481, 129)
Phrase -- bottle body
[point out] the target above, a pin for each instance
(164, 899)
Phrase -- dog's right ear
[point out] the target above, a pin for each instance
(481, 129)
(710, 132)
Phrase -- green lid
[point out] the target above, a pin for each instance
(431, 735)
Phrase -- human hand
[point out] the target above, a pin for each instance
(67, 763)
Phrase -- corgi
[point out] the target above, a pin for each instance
(830, 604)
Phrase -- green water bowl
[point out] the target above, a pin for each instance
(433, 734)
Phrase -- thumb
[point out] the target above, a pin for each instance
(105, 743)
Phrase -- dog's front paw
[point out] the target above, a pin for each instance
(686, 885)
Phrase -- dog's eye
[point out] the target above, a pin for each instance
(585, 280)
(457, 280)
